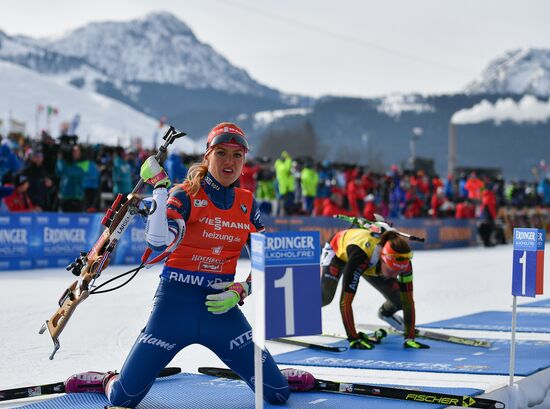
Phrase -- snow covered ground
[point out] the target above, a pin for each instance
(448, 283)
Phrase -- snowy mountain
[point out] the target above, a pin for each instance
(156, 48)
(521, 71)
(102, 120)
(27, 52)
(156, 65)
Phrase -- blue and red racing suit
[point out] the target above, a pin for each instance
(218, 221)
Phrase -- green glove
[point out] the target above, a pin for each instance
(222, 302)
(151, 172)
(411, 343)
(360, 343)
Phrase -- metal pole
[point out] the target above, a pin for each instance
(412, 145)
(258, 333)
(417, 133)
(452, 149)
(365, 141)
(258, 378)
(513, 344)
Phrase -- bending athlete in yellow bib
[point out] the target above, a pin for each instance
(382, 260)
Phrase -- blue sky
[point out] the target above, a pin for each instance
(345, 47)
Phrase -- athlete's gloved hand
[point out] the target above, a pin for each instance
(222, 302)
(361, 342)
(151, 172)
(411, 343)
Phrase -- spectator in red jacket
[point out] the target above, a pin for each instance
(370, 207)
(474, 185)
(413, 203)
(488, 204)
(422, 185)
(465, 209)
(249, 175)
(335, 204)
(488, 214)
(436, 183)
(368, 181)
(355, 194)
(437, 201)
(19, 200)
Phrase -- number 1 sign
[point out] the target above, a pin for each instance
(527, 275)
(528, 262)
(285, 270)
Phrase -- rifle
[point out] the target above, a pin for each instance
(88, 266)
(378, 226)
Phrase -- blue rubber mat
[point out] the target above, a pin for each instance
(531, 356)
(190, 391)
(536, 304)
(497, 321)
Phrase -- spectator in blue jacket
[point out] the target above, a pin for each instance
(175, 168)
(543, 190)
(71, 180)
(122, 173)
(91, 181)
(9, 163)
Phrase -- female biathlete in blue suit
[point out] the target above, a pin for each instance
(201, 226)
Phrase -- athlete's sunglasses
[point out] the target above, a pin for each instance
(228, 138)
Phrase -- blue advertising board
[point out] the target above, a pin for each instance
(287, 265)
(41, 240)
(528, 262)
(439, 233)
(45, 240)
(58, 238)
(16, 235)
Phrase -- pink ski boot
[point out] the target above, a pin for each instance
(88, 382)
(298, 380)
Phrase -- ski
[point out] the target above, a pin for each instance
(438, 336)
(58, 387)
(88, 266)
(312, 345)
(437, 398)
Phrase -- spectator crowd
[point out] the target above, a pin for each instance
(62, 175)
(302, 187)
